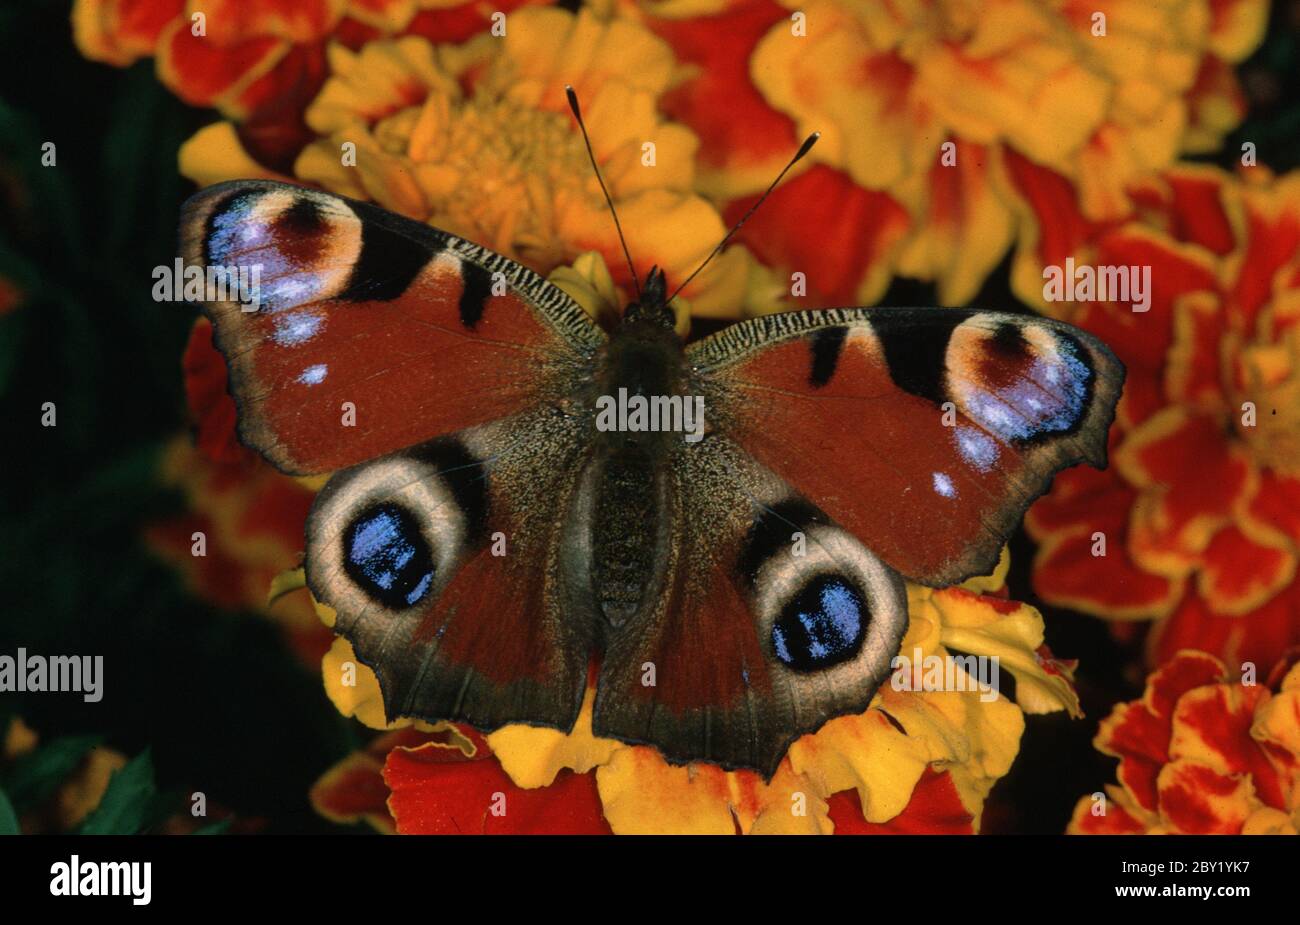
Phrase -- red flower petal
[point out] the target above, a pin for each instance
(1239, 574)
(826, 226)
(739, 132)
(1052, 200)
(1138, 732)
(1272, 239)
(1277, 502)
(935, 809)
(1214, 722)
(1084, 502)
(1256, 637)
(233, 22)
(460, 23)
(203, 74)
(1195, 211)
(1199, 801)
(354, 789)
(437, 793)
(211, 408)
(1116, 821)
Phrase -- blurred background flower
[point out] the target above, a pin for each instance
(476, 138)
(1204, 752)
(259, 62)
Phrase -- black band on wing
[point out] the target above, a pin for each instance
(465, 475)
(388, 263)
(917, 352)
(772, 530)
(477, 286)
(826, 345)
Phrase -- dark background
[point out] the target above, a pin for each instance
(217, 696)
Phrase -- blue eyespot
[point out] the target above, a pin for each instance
(387, 556)
(1049, 395)
(822, 626)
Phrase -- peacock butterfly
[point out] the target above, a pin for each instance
(522, 492)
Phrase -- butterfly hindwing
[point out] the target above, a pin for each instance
(372, 332)
(444, 563)
(926, 433)
(769, 620)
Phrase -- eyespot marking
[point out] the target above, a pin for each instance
(823, 625)
(386, 555)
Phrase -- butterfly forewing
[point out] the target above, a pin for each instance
(371, 332)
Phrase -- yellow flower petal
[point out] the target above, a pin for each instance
(533, 755)
(214, 154)
(353, 688)
(866, 753)
(1012, 633)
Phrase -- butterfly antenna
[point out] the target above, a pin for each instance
(577, 114)
(803, 149)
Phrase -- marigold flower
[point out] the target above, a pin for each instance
(1103, 94)
(260, 61)
(1198, 512)
(1202, 753)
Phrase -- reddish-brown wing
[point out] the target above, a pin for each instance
(357, 332)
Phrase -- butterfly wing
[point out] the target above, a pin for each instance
(844, 447)
(926, 433)
(371, 332)
(770, 620)
(437, 543)
(445, 564)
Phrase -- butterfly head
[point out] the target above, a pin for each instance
(652, 303)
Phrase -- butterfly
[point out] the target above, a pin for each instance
(485, 540)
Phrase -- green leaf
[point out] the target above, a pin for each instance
(35, 776)
(8, 818)
(127, 801)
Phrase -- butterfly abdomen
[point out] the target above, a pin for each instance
(629, 508)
